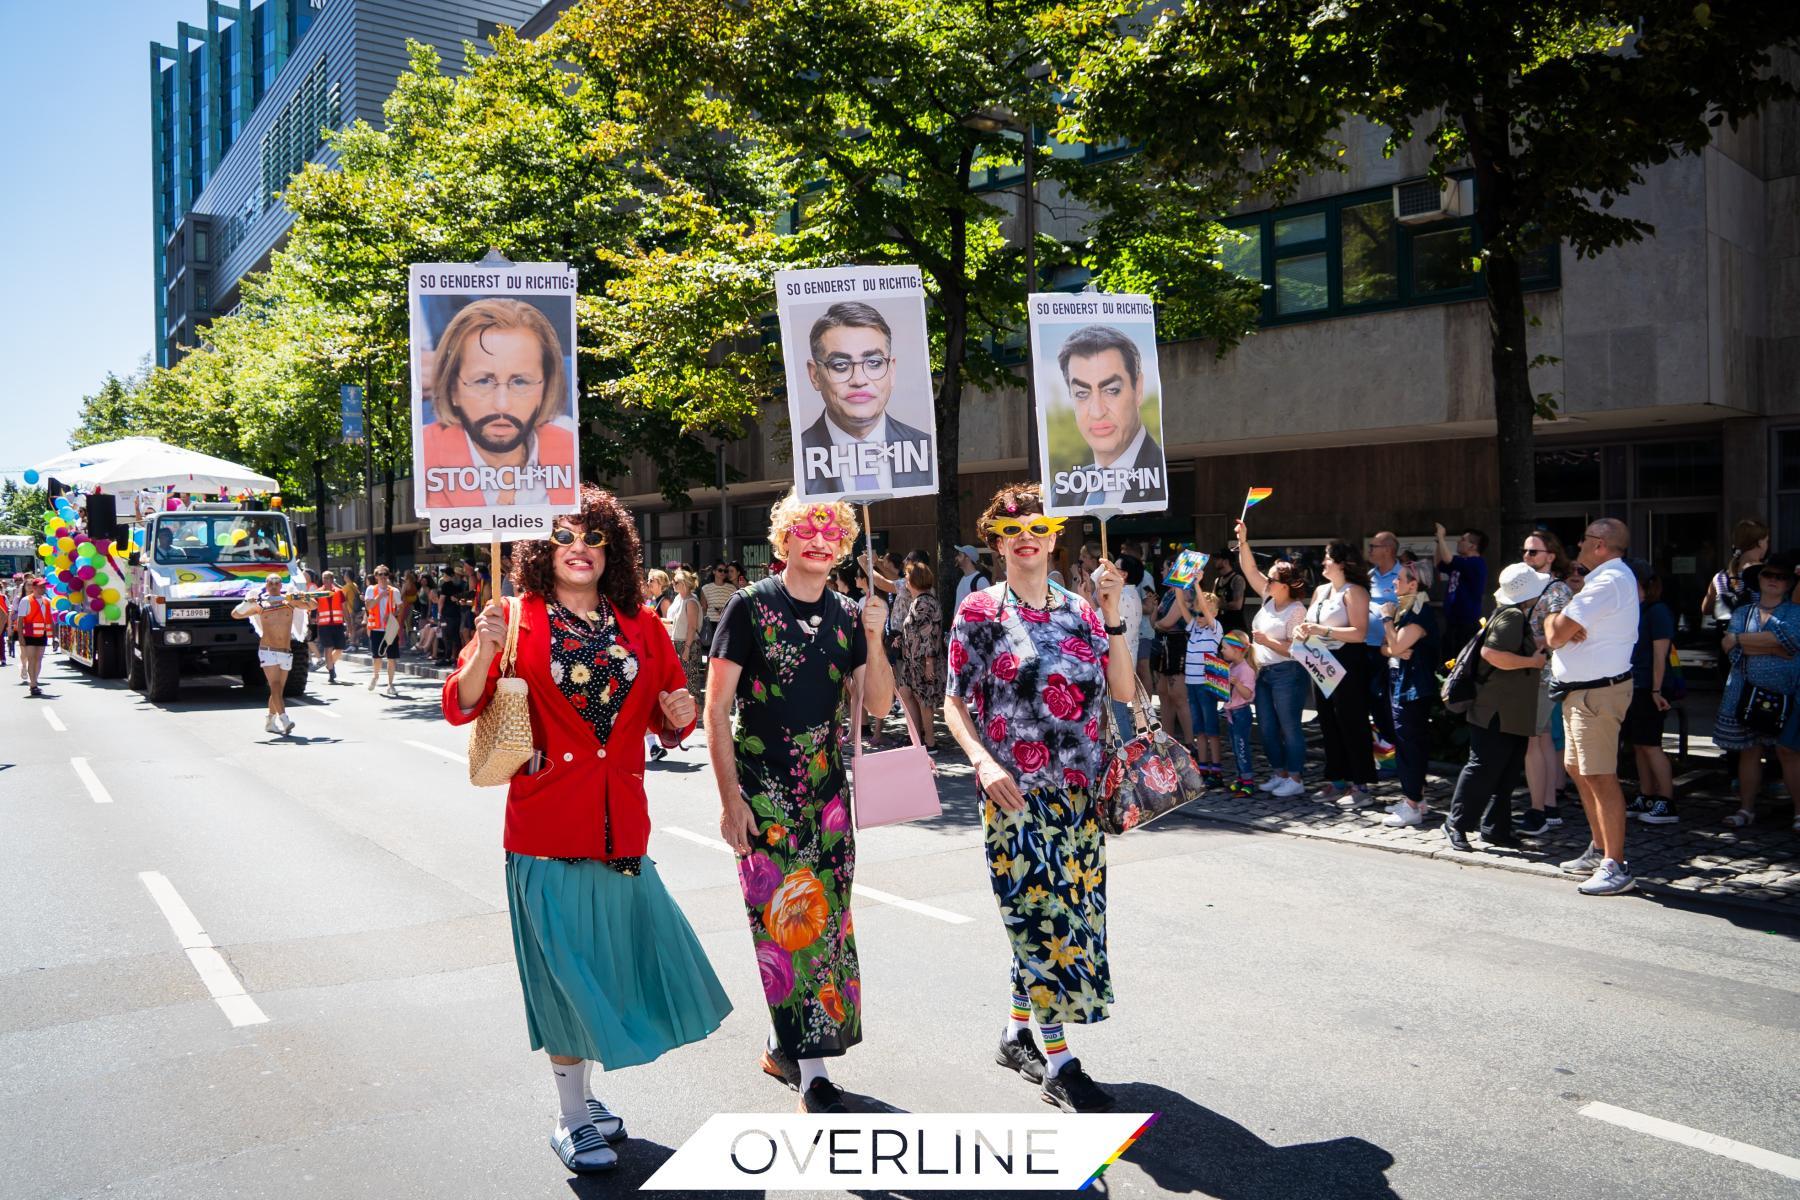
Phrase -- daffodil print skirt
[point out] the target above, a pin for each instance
(1048, 864)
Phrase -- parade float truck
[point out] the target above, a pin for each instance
(190, 568)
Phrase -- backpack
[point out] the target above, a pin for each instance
(1458, 690)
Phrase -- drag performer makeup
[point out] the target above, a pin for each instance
(788, 651)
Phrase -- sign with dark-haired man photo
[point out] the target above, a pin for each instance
(1099, 403)
(859, 381)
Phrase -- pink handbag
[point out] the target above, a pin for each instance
(890, 786)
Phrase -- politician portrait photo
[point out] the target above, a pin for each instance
(862, 410)
(496, 423)
(1099, 392)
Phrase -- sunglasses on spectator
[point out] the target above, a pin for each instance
(566, 537)
(1774, 577)
(1528, 552)
(1036, 527)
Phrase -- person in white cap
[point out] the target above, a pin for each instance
(968, 561)
(1503, 716)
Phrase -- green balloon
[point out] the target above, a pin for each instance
(112, 612)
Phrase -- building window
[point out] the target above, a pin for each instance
(294, 135)
(202, 291)
(1680, 469)
(1348, 254)
(1568, 476)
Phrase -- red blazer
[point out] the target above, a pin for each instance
(448, 446)
(587, 800)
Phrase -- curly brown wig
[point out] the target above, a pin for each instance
(1013, 500)
(534, 567)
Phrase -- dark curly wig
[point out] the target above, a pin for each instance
(534, 567)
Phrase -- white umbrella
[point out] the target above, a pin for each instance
(156, 464)
(89, 456)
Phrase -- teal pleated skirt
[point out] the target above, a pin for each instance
(610, 967)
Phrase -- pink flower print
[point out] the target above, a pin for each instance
(996, 731)
(978, 607)
(759, 876)
(1074, 779)
(1031, 756)
(1092, 728)
(1037, 616)
(1092, 617)
(1159, 775)
(1062, 698)
(1078, 648)
(777, 968)
(959, 654)
(1006, 666)
(835, 818)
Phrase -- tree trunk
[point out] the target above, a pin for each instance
(1508, 358)
(321, 521)
(387, 514)
(953, 302)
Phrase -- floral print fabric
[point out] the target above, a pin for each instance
(796, 881)
(1034, 680)
(592, 667)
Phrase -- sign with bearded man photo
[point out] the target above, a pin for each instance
(495, 450)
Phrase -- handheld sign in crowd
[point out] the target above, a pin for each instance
(858, 381)
(1320, 663)
(1099, 403)
(495, 452)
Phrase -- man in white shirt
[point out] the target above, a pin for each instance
(968, 561)
(1591, 642)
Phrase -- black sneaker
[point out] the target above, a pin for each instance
(1071, 1090)
(1552, 817)
(1638, 804)
(777, 1064)
(1021, 1054)
(1505, 841)
(823, 1096)
(1661, 812)
(1457, 838)
(1533, 823)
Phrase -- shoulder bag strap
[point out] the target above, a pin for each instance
(510, 653)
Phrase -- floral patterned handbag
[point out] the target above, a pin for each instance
(1146, 776)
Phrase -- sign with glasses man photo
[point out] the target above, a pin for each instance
(859, 381)
(493, 397)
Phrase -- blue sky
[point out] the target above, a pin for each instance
(75, 289)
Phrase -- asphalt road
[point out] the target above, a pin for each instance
(1312, 1020)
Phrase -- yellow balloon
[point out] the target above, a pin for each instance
(66, 545)
(45, 552)
(110, 595)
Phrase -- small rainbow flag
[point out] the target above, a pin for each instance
(1187, 567)
(1216, 676)
(1384, 754)
(1256, 496)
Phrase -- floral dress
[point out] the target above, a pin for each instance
(798, 659)
(1034, 680)
(920, 666)
(1771, 671)
(594, 670)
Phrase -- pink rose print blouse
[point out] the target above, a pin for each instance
(1034, 680)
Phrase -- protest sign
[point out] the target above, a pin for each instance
(1186, 567)
(1321, 664)
(495, 451)
(1099, 403)
(860, 400)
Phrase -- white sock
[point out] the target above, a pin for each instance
(571, 1093)
(587, 1080)
(811, 1069)
(1056, 1047)
(1019, 1023)
(774, 1045)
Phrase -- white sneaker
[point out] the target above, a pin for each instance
(1271, 784)
(1397, 805)
(1404, 815)
(1289, 786)
(1590, 860)
(393, 693)
(371, 683)
(1608, 879)
(287, 723)
(269, 726)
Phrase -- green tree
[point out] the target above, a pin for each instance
(1559, 106)
(21, 508)
(114, 411)
(878, 119)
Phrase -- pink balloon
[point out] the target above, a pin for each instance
(97, 605)
(93, 591)
(66, 576)
(173, 504)
(62, 531)
(84, 572)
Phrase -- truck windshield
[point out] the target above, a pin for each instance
(220, 538)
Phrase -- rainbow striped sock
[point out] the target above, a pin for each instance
(1021, 1016)
(1056, 1047)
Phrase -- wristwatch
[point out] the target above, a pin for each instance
(1115, 630)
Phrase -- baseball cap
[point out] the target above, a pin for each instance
(973, 552)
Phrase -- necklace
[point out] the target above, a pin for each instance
(601, 617)
(1051, 602)
(809, 624)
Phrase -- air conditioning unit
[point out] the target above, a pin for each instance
(1423, 200)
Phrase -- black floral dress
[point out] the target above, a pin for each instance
(798, 658)
(1034, 680)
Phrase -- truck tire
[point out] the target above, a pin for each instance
(162, 673)
(296, 680)
(134, 658)
(109, 652)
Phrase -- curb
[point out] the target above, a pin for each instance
(402, 666)
(1490, 861)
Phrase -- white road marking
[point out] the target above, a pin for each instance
(323, 709)
(431, 749)
(55, 721)
(221, 983)
(91, 781)
(1682, 1135)
(862, 891)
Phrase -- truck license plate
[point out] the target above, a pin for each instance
(187, 614)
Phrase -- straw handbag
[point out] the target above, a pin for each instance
(500, 743)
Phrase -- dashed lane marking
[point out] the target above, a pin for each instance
(862, 891)
(91, 781)
(431, 749)
(221, 982)
(1699, 1139)
(55, 721)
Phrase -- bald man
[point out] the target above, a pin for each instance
(1591, 642)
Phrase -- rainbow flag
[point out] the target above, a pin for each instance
(1216, 676)
(1384, 754)
(1256, 496)
(1187, 567)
